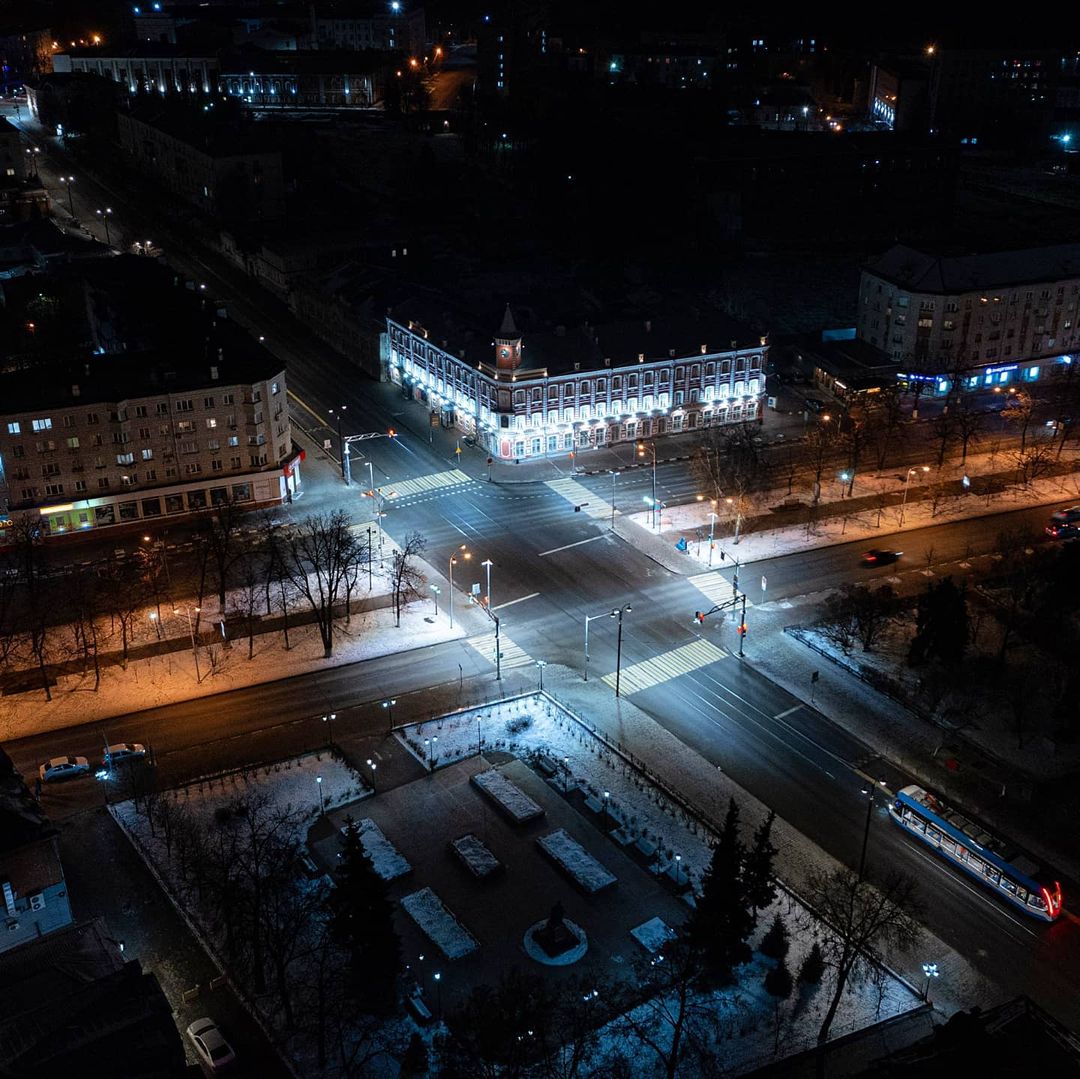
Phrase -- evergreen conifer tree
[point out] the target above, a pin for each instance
(775, 943)
(778, 981)
(758, 867)
(361, 921)
(723, 919)
(813, 966)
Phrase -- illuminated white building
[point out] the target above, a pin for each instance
(525, 396)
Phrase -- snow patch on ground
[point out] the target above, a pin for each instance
(508, 796)
(438, 924)
(388, 861)
(576, 861)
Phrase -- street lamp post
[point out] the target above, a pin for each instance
(322, 804)
(590, 618)
(429, 744)
(931, 971)
(329, 721)
(618, 613)
(566, 775)
(453, 562)
(641, 453)
(191, 630)
(369, 586)
(342, 447)
(607, 816)
(541, 664)
(68, 181)
(678, 870)
(613, 475)
(372, 765)
(907, 483)
(487, 564)
(435, 590)
(388, 704)
(869, 793)
(104, 215)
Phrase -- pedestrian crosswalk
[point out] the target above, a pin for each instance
(580, 495)
(425, 485)
(715, 587)
(512, 654)
(668, 665)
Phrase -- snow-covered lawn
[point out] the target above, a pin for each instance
(653, 934)
(513, 801)
(576, 861)
(438, 924)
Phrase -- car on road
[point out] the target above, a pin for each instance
(879, 557)
(1065, 524)
(214, 1051)
(814, 404)
(123, 752)
(63, 768)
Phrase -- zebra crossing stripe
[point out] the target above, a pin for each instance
(668, 665)
(512, 654)
(579, 495)
(424, 484)
(714, 587)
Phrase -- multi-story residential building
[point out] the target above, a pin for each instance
(22, 195)
(25, 51)
(565, 389)
(988, 320)
(149, 423)
(32, 886)
(386, 27)
(225, 172)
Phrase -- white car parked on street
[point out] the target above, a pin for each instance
(63, 768)
(123, 751)
(214, 1051)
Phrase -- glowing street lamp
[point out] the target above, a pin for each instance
(466, 555)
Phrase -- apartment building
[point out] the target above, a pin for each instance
(989, 320)
(142, 429)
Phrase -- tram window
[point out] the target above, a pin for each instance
(975, 863)
(992, 874)
(1036, 901)
(948, 843)
(932, 833)
(1022, 894)
(919, 824)
(1008, 885)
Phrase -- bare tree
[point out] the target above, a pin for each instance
(862, 919)
(221, 534)
(81, 610)
(1020, 412)
(405, 576)
(885, 420)
(1037, 460)
(970, 424)
(251, 577)
(319, 553)
(121, 592)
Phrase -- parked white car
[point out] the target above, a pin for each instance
(63, 768)
(214, 1051)
(123, 751)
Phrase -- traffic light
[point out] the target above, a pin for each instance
(641, 449)
(369, 493)
(699, 616)
(391, 433)
(742, 629)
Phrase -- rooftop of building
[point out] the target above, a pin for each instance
(117, 329)
(216, 131)
(920, 271)
(21, 818)
(72, 1003)
(583, 345)
(857, 362)
(255, 61)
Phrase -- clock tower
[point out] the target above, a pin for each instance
(508, 344)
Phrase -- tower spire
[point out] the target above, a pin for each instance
(508, 329)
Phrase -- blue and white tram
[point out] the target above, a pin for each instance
(966, 844)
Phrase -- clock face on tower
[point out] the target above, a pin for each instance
(504, 352)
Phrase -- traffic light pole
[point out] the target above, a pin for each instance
(700, 616)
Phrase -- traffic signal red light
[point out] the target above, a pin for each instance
(392, 433)
(742, 630)
(699, 616)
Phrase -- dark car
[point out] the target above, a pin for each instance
(878, 557)
(815, 404)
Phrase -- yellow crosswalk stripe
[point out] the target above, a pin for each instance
(668, 665)
(454, 477)
(579, 494)
(512, 654)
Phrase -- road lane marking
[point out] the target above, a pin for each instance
(666, 666)
(715, 587)
(303, 404)
(436, 481)
(782, 715)
(567, 546)
(511, 602)
(580, 495)
(512, 654)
